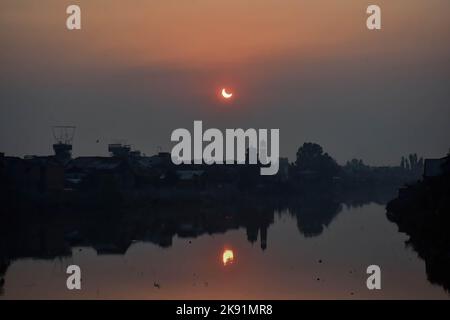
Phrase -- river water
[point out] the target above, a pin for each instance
(288, 254)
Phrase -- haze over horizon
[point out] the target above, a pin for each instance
(141, 69)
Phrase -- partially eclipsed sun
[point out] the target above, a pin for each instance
(225, 94)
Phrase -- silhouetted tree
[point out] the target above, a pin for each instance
(412, 163)
(356, 165)
(312, 159)
(403, 163)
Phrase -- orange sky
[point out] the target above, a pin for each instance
(202, 33)
(290, 62)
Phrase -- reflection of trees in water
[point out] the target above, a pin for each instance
(312, 216)
(421, 211)
(4, 264)
(434, 251)
(360, 196)
(437, 267)
(47, 233)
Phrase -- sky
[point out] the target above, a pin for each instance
(137, 70)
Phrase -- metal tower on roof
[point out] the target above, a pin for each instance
(63, 136)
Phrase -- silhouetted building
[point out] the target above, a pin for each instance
(436, 167)
(35, 174)
(63, 143)
(98, 172)
(63, 152)
(119, 150)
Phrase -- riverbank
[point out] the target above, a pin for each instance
(422, 211)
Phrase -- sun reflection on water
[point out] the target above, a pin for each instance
(227, 257)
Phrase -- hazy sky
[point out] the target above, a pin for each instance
(140, 69)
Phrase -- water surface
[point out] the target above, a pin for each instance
(292, 253)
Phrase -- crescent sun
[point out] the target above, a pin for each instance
(225, 94)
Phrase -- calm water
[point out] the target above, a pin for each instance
(288, 254)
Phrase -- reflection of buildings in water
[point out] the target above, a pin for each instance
(256, 219)
(51, 234)
(263, 238)
(252, 235)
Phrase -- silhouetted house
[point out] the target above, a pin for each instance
(119, 150)
(100, 172)
(187, 177)
(160, 160)
(34, 174)
(434, 168)
(15, 171)
(153, 170)
(51, 173)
